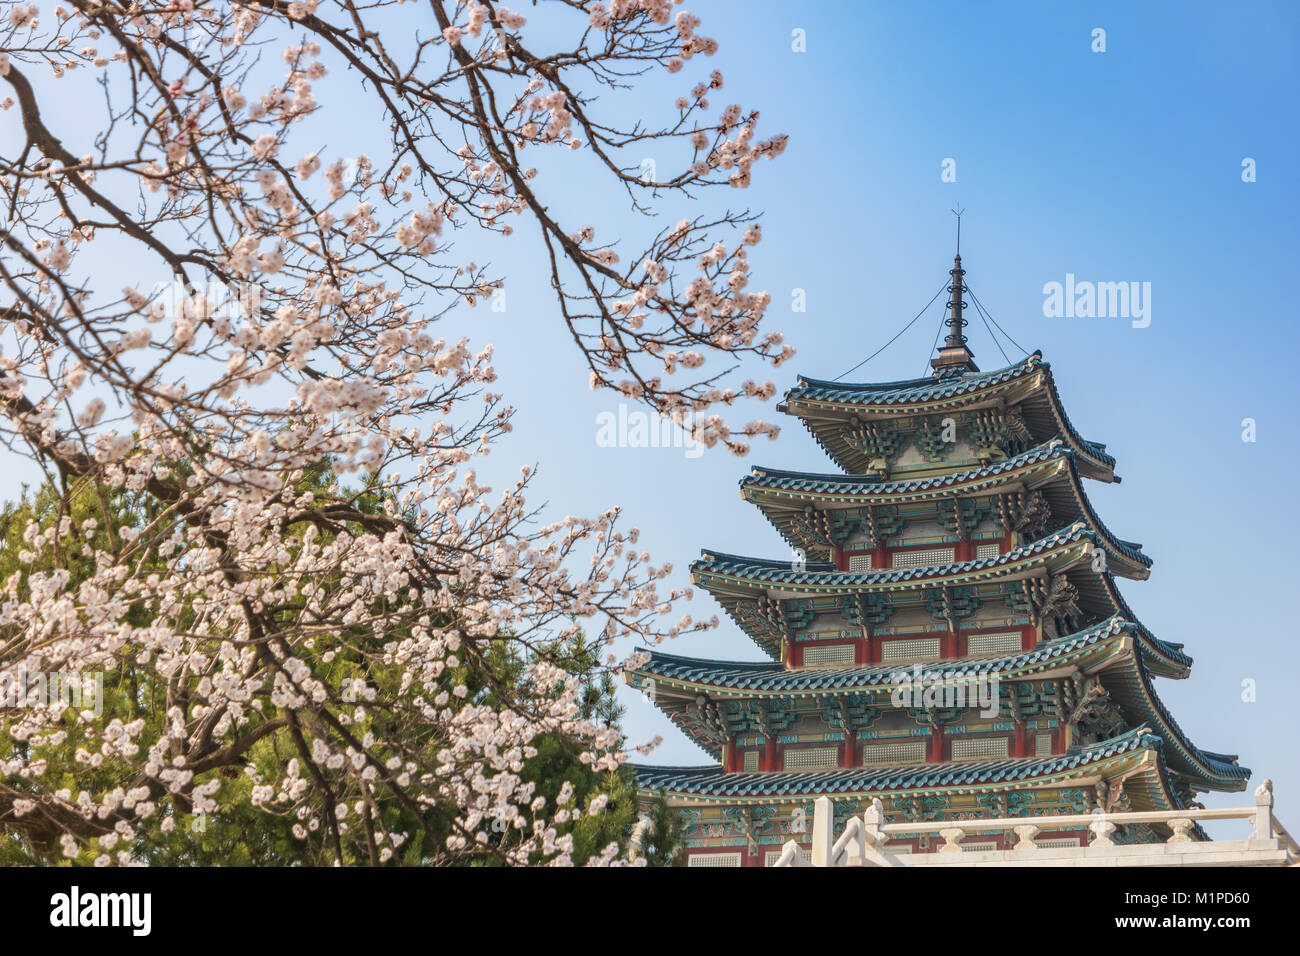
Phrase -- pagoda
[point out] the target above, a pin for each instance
(947, 635)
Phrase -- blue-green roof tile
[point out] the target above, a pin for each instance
(712, 780)
(775, 676)
(825, 572)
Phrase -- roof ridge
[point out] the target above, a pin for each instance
(903, 384)
(1141, 737)
(931, 669)
(1056, 445)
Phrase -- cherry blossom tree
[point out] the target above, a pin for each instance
(303, 614)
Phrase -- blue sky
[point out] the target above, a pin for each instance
(1117, 166)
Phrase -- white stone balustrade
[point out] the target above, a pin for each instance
(865, 838)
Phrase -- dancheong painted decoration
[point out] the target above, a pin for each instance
(948, 636)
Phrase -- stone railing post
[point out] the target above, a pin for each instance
(952, 839)
(1101, 829)
(823, 837)
(1182, 831)
(1264, 812)
(1026, 833)
(872, 820)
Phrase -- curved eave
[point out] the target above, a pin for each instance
(740, 576)
(1088, 649)
(913, 394)
(1130, 686)
(824, 406)
(732, 578)
(1134, 756)
(867, 489)
(783, 495)
(1127, 555)
(1165, 659)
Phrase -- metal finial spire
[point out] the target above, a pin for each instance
(955, 352)
(955, 321)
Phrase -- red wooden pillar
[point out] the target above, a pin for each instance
(848, 754)
(768, 760)
(965, 551)
(1020, 743)
(879, 558)
(936, 746)
(732, 762)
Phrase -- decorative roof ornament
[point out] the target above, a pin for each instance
(955, 356)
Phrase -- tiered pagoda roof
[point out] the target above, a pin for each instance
(828, 409)
(1125, 653)
(737, 581)
(1099, 644)
(931, 561)
(1050, 467)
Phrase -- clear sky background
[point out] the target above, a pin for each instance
(1117, 166)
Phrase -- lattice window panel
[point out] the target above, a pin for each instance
(750, 760)
(859, 562)
(1003, 643)
(897, 753)
(987, 551)
(1043, 745)
(978, 748)
(921, 648)
(811, 758)
(923, 557)
(833, 654)
(713, 859)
